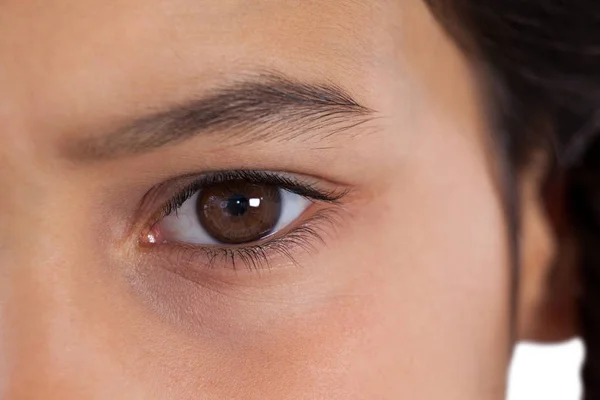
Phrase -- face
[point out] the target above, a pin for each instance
(245, 200)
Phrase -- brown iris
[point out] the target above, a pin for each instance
(239, 212)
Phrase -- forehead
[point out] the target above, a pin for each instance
(85, 67)
(91, 54)
(67, 33)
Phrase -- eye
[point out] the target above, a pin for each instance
(231, 218)
(233, 212)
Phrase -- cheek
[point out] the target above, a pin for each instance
(415, 284)
(434, 246)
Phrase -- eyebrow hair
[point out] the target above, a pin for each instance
(271, 107)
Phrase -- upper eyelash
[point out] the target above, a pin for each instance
(294, 185)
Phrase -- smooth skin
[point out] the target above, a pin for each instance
(409, 296)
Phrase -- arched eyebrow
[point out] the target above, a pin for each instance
(266, 108)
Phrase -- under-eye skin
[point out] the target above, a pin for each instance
(229, 219)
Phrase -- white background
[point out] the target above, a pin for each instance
(546, 372)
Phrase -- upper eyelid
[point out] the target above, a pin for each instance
(305, 189)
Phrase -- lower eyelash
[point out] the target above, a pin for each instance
(258, 257)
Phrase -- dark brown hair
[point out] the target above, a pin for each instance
(542, 61)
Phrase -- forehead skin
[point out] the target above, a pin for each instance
(409, 301)
(91, 58)
(94, 61)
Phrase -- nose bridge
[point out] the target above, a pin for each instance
(30, 300)
(50, 345)
(38, 320)
(26, 311)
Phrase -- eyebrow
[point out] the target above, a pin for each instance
(269, 107)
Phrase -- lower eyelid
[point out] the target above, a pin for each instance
(192, 261)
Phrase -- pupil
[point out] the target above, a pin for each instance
(237, 205)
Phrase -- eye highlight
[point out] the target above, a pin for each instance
(242, 215)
